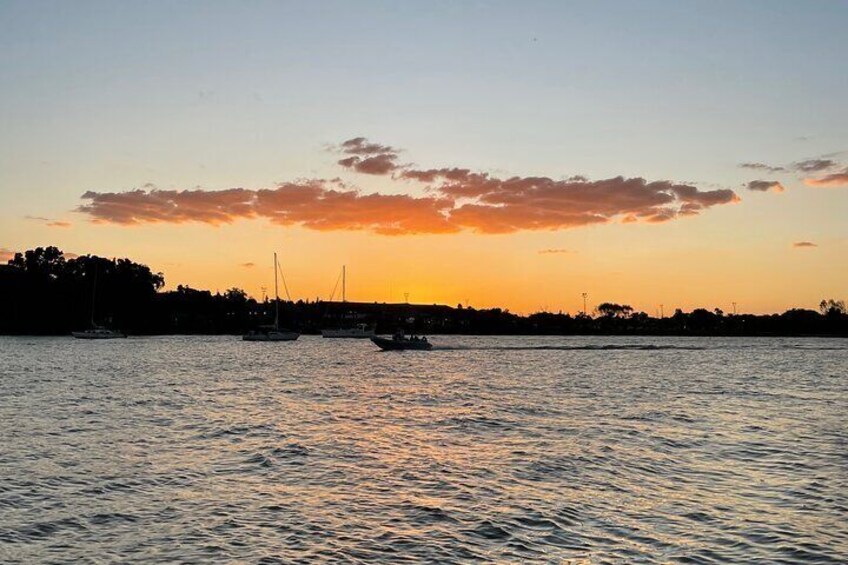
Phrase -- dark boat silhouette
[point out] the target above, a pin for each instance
(99, 332)
(96, 331)
(275, 332)
(400, 342)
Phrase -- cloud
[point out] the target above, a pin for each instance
(316, 205)
(804, 244)
(765, 186)
(49, 221)
(457, 199)
(368, 158)
(361, 146)
(555, 251)
(814, 165)
(247, 265)
(762, 167)
(833, 180)
(488, 204)
(171, 206)
(376, 165)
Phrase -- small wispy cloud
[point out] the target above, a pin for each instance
(803, 244)
(762, 167)
(814, 165)
(368, 157)
(49, 222)
(247, 265)
(765, 186)
(555, 251)
(833, 180)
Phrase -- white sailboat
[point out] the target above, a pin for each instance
(99, 332)
(359, 331)
(272, 333)
(95, 331)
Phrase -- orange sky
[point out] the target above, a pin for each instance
(464, 152)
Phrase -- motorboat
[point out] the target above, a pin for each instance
(400, 342)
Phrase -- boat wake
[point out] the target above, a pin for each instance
(623, 347)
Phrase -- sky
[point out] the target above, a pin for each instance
(684, 154)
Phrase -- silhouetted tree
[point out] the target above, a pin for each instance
(44, 292)
(612, 310)
(832, 307)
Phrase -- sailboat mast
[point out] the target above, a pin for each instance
(93, 294)
(276, 297)
(344, 283)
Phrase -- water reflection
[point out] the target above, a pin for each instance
(499, 450)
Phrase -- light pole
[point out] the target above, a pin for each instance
(585, 296)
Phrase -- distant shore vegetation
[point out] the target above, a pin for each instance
(43, 292)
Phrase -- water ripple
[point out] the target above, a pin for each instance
(505, 450)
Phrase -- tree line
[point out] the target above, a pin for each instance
(42, 292)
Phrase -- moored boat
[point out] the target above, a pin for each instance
(270, 334)
(95, 331)
(99, 332)
(360, 331)
(275, 332)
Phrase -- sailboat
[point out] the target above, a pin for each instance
(95, 331)
(359, 331)
(272, 333)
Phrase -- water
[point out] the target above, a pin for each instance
(511, 450)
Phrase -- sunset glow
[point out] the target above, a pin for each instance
(516, 159)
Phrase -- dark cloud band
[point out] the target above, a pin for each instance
(458, 199)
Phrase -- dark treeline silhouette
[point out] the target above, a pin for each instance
(44, 293)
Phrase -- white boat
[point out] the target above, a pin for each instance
(99, 332)
(360, 331)
(95, 331)
(272, 333)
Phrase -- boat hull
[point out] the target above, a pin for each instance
(98, 335)
(347, 334)
(387, 344)
(272, 336)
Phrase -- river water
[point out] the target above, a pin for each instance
(487, 449)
